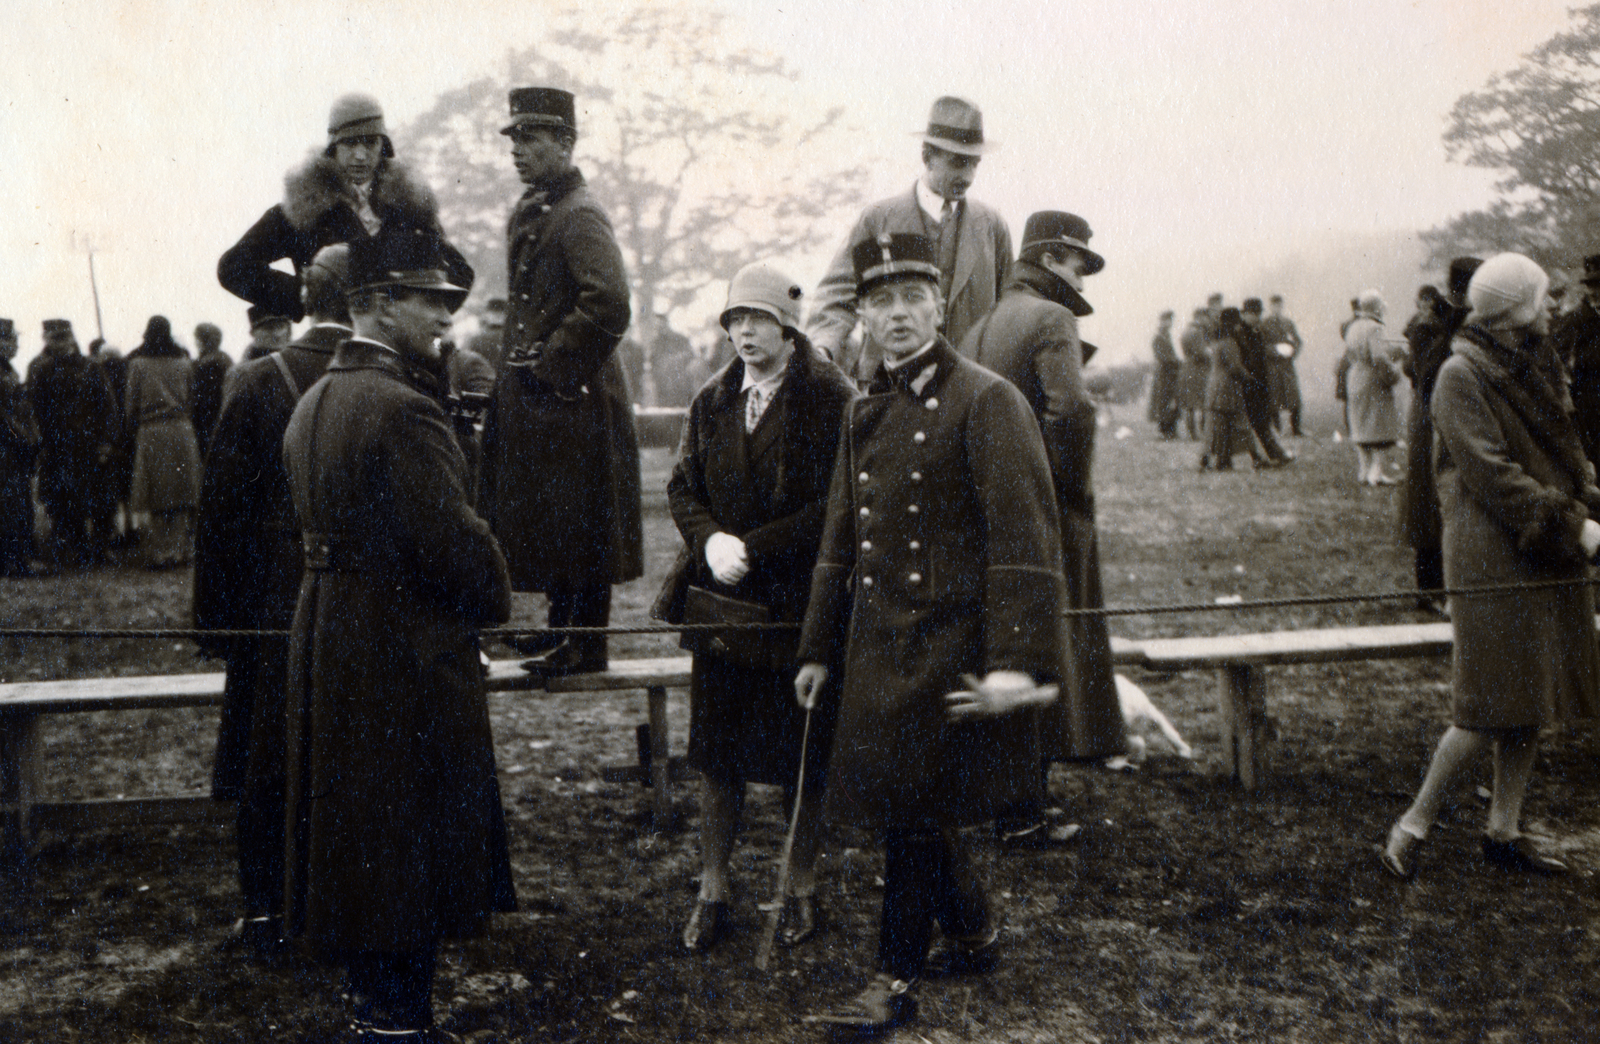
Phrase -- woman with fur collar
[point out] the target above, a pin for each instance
(350, 191)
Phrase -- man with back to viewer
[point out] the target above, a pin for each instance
(940, 562)
(396, 838)
(75, 410)
(205, 395)
(560, 462)
(972, 243)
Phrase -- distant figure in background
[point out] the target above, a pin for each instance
(111, 491)
(489, 341)
(1226, 425)
(19, 447)
(248, 565)
(1277, 330)
(1196, 371)
(1576, 339)
(1519, 501)
(166, 458)
(1164, 409)
(269, 332)
(1374, 371)
(78, 425)
(1429, 334)
(1355, 313)
(1560, 298)
(1259, 407)
(210, 368)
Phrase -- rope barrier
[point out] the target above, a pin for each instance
(723, 628)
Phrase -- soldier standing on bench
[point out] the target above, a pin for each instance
(397, 838)
(247, 569)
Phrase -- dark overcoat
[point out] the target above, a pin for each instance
(1515, 489)
(78, 423)
(205, 394)
(1031, 339)
(19, 445)
(769, 488)
(941, 555)
(1421, 526)
(248, 561)
(1196, 367)
(560, 452)
(315, 213)
(397, 836)
(1576, 339)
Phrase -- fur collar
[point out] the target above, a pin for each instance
(313, 189)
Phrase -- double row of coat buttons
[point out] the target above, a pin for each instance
(911, 509)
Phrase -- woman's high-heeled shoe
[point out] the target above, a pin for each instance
(1395, 853)
(1520, 856)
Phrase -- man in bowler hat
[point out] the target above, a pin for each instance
(972, 245)
(1031, 339)
(935, 600)
(1576, 337)
(560, 454)
(396, 835)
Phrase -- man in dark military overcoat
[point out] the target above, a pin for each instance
(211, 366)
(397, 836)
(247, 569)
(935, 598)
(560, 453)
(1031, 339)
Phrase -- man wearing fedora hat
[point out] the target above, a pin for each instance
(1576, 337)
(935, 602)
(972, 244)
(349, 190)
(1031, 339)
(560, 463)
(396, 834)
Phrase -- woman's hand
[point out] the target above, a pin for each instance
(726, 556)
(808, 684)
(998, 694)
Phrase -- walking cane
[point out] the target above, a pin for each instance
(775, 908)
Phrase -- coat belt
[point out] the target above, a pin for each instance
(334, 553)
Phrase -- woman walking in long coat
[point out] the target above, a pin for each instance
(749, 495)
(1374, 371)
(1518, 498)
(166, 458)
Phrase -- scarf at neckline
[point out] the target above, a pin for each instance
(1517, 374)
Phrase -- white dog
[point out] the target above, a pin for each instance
(1140, 715)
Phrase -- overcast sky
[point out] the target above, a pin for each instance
(1200, 139)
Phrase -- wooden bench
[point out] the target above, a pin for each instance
(22, 704)
(1238, 659)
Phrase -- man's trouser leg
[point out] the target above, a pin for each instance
(574, 604)
(928, 875)
(394, 991)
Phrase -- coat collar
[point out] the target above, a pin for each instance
(1523, 369)
(1037, 279)
(940, 355)
(542, 197)
(314, 188)
(360, 354)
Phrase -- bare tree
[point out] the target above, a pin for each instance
(704, 152)
(1540, 125)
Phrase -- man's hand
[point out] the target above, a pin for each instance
(726, 556)
(808, 684)
(998, 694)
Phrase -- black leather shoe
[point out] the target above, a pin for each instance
(799, 920)
(885, 1002)
(565, 659)
(976, 956)
(534, 644)
(1519, 855)
(707, 925)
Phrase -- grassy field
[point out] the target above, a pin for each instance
(1186, 911)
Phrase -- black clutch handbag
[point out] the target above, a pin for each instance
(768, 650)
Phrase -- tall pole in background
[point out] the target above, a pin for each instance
(94, 285)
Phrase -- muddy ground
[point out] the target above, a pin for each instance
(1184, 911)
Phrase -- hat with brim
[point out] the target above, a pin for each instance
(534, 107)
(1058, 228)
(357, 116)
(759, 287)
(900, 255)
(956, 125)
(409, 260)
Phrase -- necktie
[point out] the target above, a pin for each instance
(755, 404)
(949, 218)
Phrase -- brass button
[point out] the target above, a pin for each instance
(920, 437)
(866, 581)
(932, 404)
(912, 509)
(915, 545)
(865, 512)
(862, 477)
(866, 545)
(915, 578)
(916, 476)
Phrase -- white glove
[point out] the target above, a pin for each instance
(726, 556)
(998, 694)
(1589, 537)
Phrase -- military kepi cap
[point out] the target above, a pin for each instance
(899, 255)
(357, 116)
(411, 259)
(261, 315)
(541, 107)
(1058, 228)
(956, 125)
(58, 328)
